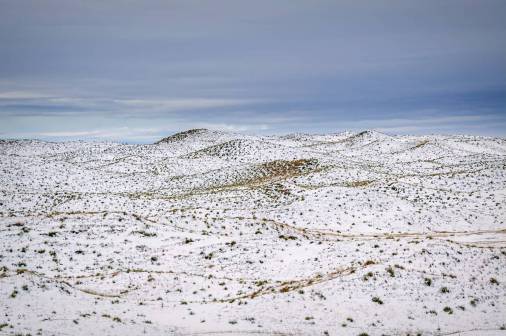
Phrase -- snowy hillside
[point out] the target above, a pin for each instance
(208, 232)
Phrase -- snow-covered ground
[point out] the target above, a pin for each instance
(208, 232)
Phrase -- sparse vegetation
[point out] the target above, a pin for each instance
(250, 233)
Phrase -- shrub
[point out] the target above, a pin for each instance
(377, 300)
(448, 310)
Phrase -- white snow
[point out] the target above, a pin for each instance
(210, 232)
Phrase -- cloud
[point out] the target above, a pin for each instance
(288, 66)
(181, 104)
(15, 103)
(71, 134)
(235, 127)
(22, 95)
(119, 133)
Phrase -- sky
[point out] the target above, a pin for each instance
(135, 71)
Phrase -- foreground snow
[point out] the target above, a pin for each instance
(217, 233)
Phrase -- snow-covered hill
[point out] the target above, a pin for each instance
(208, 232)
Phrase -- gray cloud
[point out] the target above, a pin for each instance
(235, 62)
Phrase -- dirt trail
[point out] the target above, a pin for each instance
(318, 234)
(290, 286)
